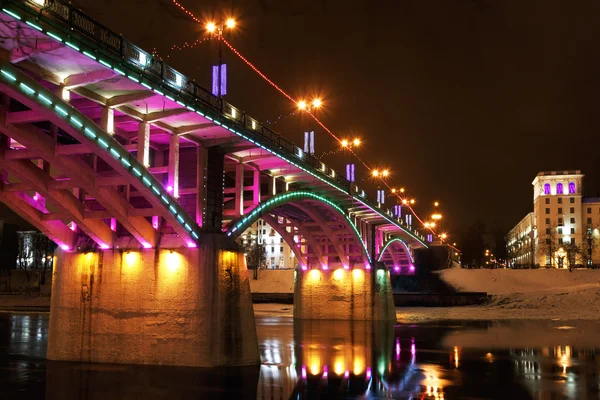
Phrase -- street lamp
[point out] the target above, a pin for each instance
(309, 107)
(218, 29)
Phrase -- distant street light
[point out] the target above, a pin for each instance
(212, 28)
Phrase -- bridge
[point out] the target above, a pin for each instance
(144, 179)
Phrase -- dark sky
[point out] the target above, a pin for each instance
(465, 100)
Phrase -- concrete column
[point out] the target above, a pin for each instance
(356, 294)
(201, 158)
(173, 169)
(107, 120)
(143, 144)
(193, 309)
(239, 190)
(256, 188)
(272, 186)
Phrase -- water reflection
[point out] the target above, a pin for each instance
(332, 359)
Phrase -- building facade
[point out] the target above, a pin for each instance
(278, 252)
(563, 227)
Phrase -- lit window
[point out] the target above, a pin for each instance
(572, 187)
(547, 188)
(559, 188)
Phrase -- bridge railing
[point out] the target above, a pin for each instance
(145, 61)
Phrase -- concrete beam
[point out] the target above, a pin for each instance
(87, 78)
(158, 115)
(123, 99)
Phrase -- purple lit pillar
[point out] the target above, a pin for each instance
(350, 172)
(173, 167)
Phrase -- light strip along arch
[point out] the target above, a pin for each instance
(389, 242)
(243, 223)
(88, 132)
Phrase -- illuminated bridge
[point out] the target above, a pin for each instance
(143, 178)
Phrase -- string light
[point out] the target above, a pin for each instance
(280, 90)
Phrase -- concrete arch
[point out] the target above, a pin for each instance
(393, 254)
(237, 227)
(95, 140)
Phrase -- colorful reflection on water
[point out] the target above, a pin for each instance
(332, 359)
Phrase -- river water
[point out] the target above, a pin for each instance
(327, 359)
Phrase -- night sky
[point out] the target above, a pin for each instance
(464, 100)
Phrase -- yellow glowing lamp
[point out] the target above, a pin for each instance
(211, 27)
(302, 105)
(356, 142)
(345, 143)
(317, 103)
(375, 172)
(230, 23)
(385, 173)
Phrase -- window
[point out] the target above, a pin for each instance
(547, 211)
(547, 231)
(589, 221)
(560, 210)
(560, 241)
(272, 262)
(572, 210)
(264, 231)
(573, 241)
(560, 231)
(547, 200)
(281, 240)
(272, 249)
(589, 210)
(281, 249)
(560, 223)
(547, 188)
(572, 220)
(281, 262)
(571, 187)
(559, 188)
(571, 200)
(572, 230)
(547, 221)
(560, 200)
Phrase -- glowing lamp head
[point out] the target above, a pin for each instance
(412, 201)
(211, 27)
(435, 204)
(385, 173)
(317, 103)
(401, 190)
(230, 23)
(169, 189)
(444, 235)
(404, 201)
(302, 105)
(393, 190)
(344, 143)
(356, 142)
(375, 173)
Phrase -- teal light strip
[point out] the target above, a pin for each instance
(12, 14)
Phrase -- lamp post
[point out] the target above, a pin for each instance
(218, 29)
(310, 107)
(347, 147)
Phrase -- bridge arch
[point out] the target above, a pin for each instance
(394, 252)
(90, 139)
(307, 210)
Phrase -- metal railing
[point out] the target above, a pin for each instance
(129, 52)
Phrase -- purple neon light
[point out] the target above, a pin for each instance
(303, 373)
(369, 373)
(191, 244)
(325, 371)
(104, 246)
(147, 245)
(397, 210)
(64, 247)
(547, 188)
(572, 188)
(350, 172)
(559, 188)
(215, 80)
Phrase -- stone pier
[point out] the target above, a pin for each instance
(185, 307)
(346, 294)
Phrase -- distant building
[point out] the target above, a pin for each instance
(279, 253)
(562, 221)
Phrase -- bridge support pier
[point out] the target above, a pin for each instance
(186, 307)
(345, 294)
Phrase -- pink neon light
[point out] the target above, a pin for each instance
(368, 372)
(73, 226)
(304, 268)
(396, 269)
(325, 267)
(397, 349)
(303, 373)
(36, 197)
(104, 246)
(64, 247)
(169, 189)
(325, 372)
(191, 244)
(368, 266)
(147, 245)
(346, 374)
(346, 267)
(412, 268)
